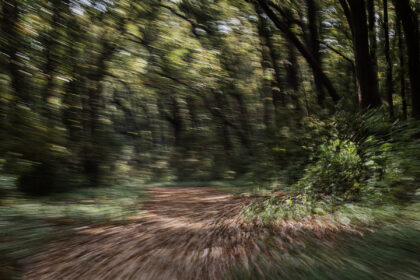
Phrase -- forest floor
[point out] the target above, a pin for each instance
(201, 233)
(187, 233)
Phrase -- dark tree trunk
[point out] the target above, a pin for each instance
(355, 11)
(266, 95)
(174, 118)
(314, 26)
(278, 88)
(224, 135)
(292, 70)
(372, 42)
(292, 73)
(150, 125)
(401, 50)
(9, 28)
(223, 130)
(266, 64)
(409, 22)
(270, 59)
(244, 130)
(192, 110)
(389, 84)
(96, 87)
(51, 53)
(177, 122)
(92, 108)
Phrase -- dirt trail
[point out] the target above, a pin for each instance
(188, 233)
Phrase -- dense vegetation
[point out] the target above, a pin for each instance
(317, 99)
(197, 89)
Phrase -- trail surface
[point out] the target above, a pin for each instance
(187, 233)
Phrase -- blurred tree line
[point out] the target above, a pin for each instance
(193, 89)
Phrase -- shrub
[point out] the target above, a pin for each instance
(337, 170)
(364, 157)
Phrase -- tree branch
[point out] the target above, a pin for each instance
(347, 13)
(338, 52)
(282, 26)
(193, 22)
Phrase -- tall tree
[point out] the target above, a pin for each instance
(270, 59)
(409, 21)
(314, 30)
(52, 49)
(401, 51)
(292, 74)
(389, 84)
(12, 40)
(355, 12)
(371, 12)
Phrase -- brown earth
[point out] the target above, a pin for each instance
(187, 233)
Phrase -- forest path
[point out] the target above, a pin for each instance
(187, 233)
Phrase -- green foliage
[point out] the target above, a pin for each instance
(363, 157)
(288, 207)
(95, 91)
(337, 170)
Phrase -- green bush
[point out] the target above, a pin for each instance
(363, 157)
(338, 170)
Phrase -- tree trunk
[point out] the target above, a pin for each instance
(266, 64)
(389, 84)
(51, 53)
(313, 26)
(278, 88)
(292, 69)
(410, 24)
(244, 130)
(270, 59)
(192, 110)
(373, 43)
(174, 118)
(177, 122)
(355, 11)
(224, 124)
(9, 28)
(401, 50)
(91, 157)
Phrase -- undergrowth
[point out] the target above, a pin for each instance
(27, 223)
(361, 180)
